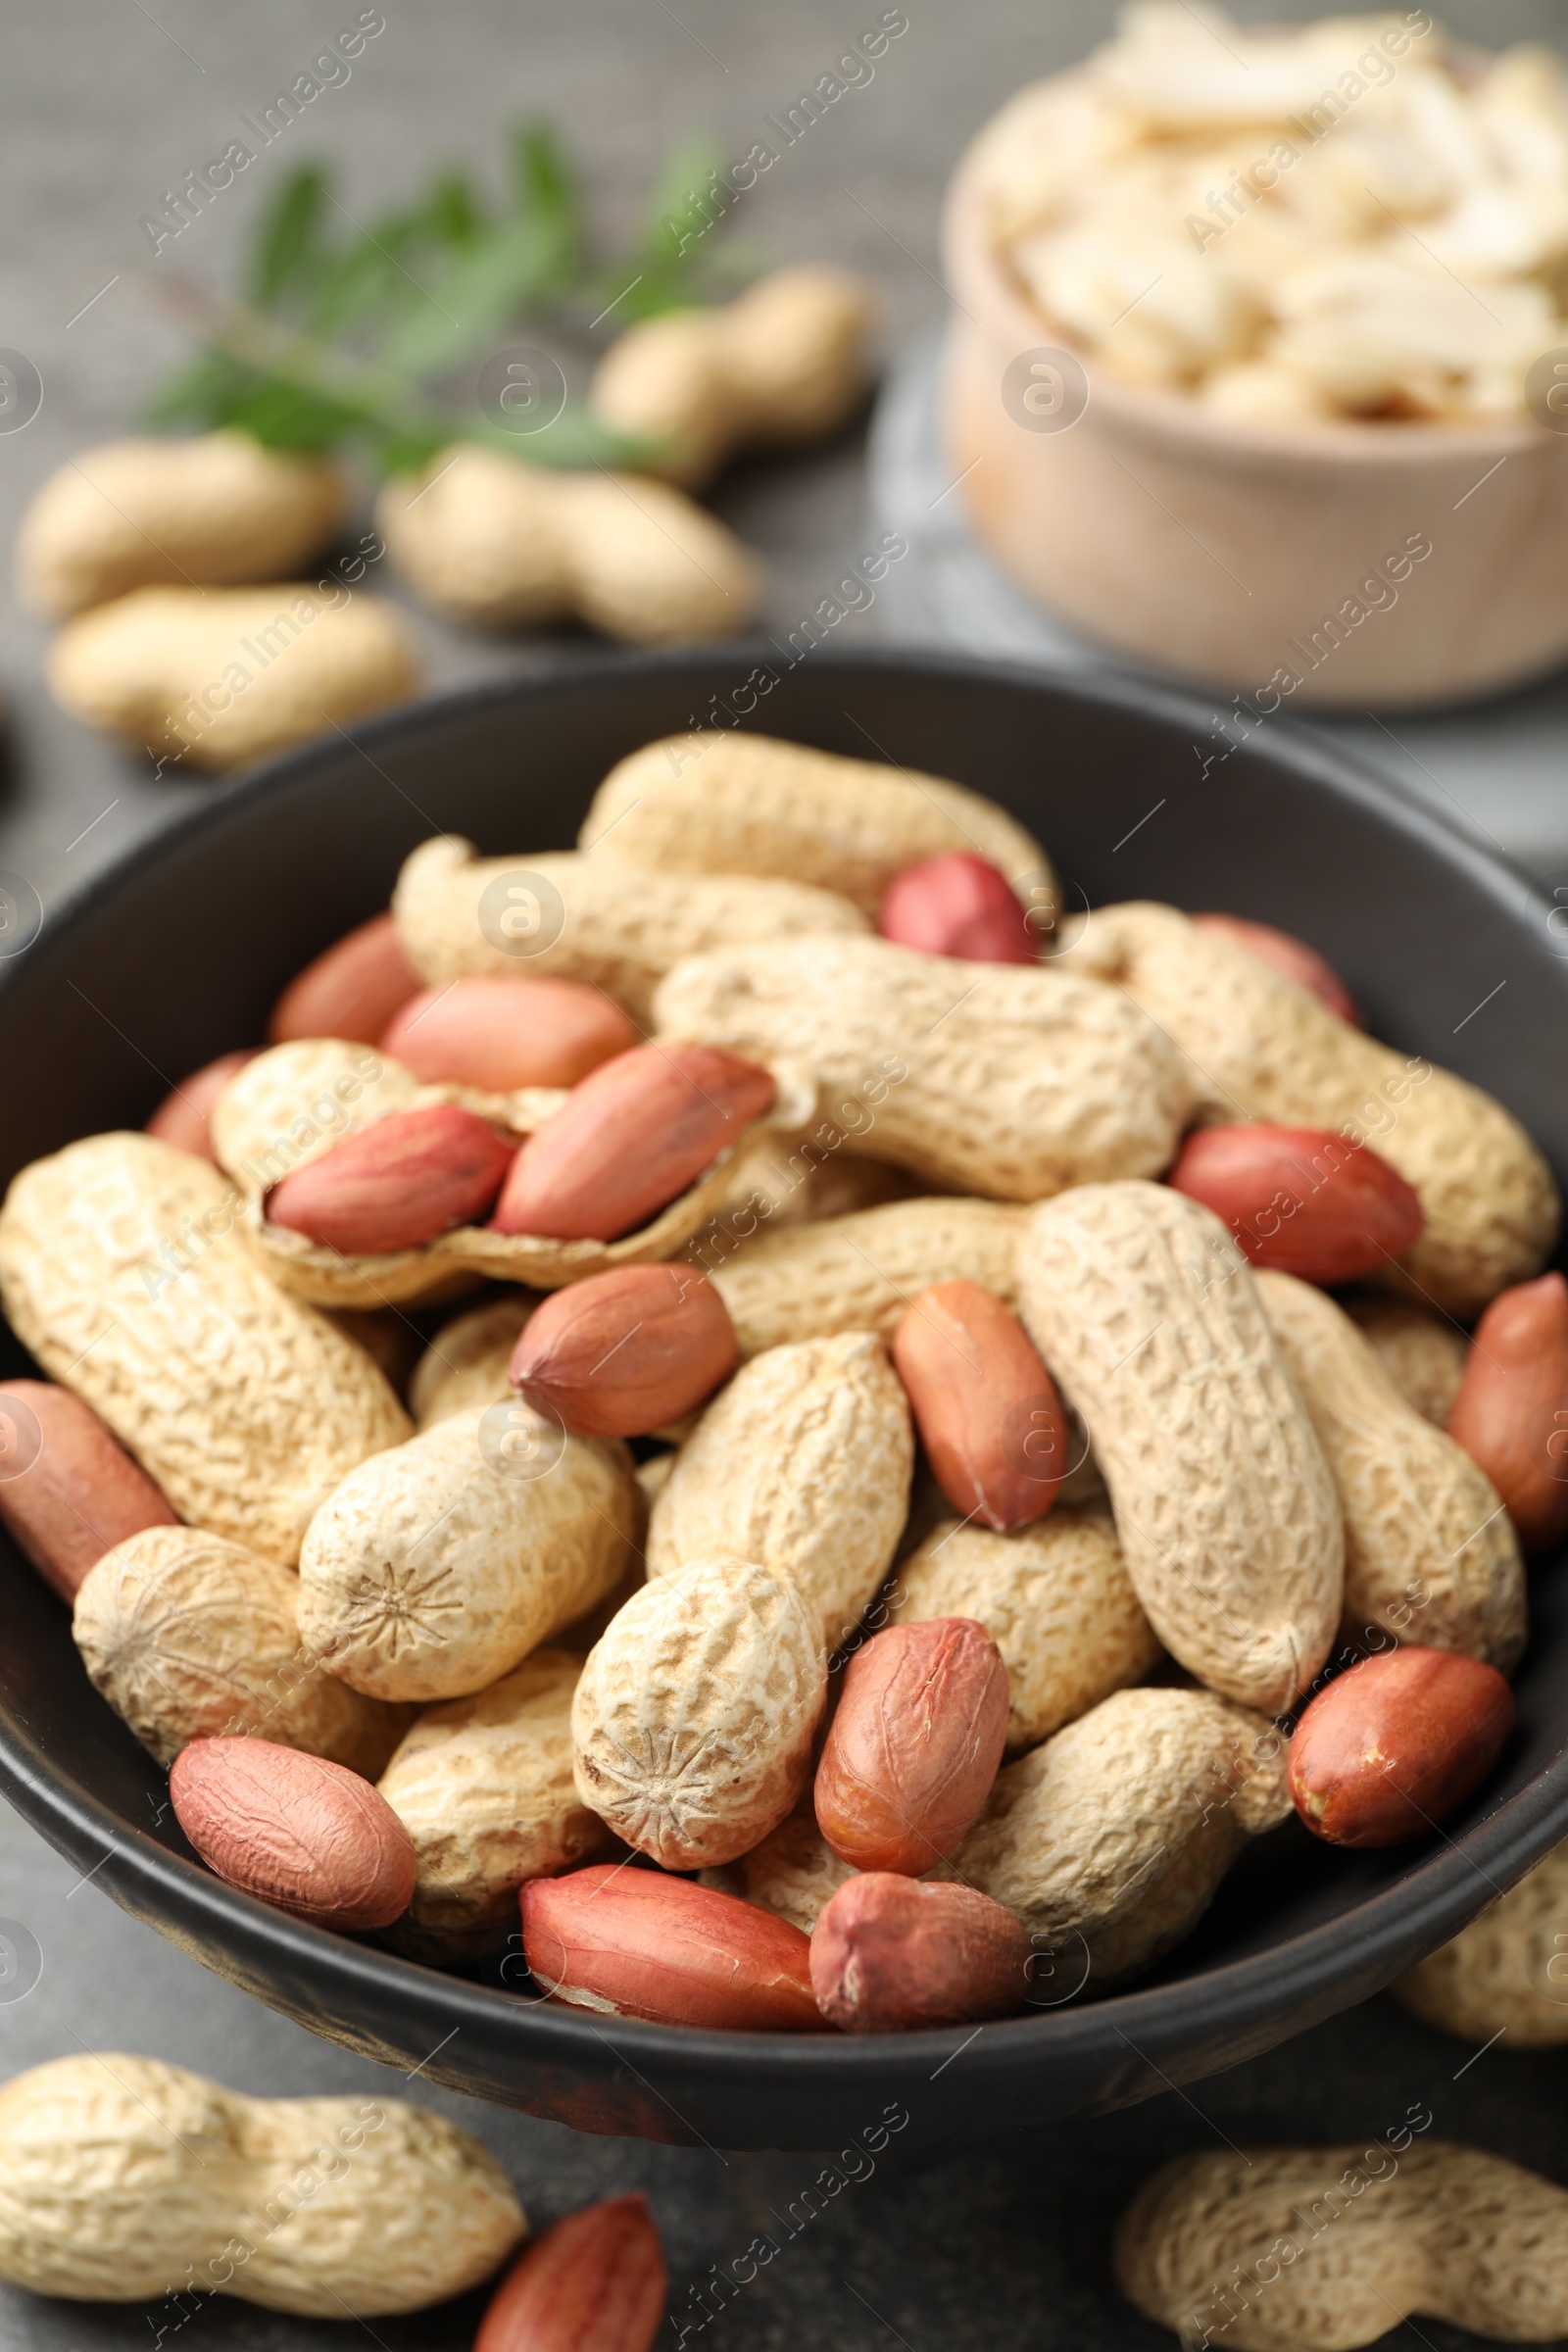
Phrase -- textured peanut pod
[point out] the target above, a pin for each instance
(1430, 1553)
(803, 1467)
(504, 1034)
(890, 1954)
(1262, 1048)
(184, 1117)
(857, 1272)
(68, 1492)
(913, 1746)
(1323, 2249)
(162, 668)
(1423, 1353)
(989, 1078)
(721, 801)
(122, 1271)
(618, 925)
(1507, 1972)
(351, 989)
(1055, 1599)
(595, 2282)
(466, 1363)
(212, 510)
(792, 1873)
(188, 1637)
(694, 1718)
(294, 1830)
(435, 1568)
(1109, 1841)
(484, 1787)
(290, 1108)
(488, 538)
(637, 1944)
(122, 2180)
(1148, 1316)
(784, 362)
(386, 1336)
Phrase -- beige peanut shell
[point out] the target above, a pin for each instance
(1010, 1081)
(190, 1637)
(1423, 1353)
(438, 1566)
(603, 919)
(1109, 1842)
(1507, 1971)
(1262, 1048)
(123, 2179)
(720, 802)
(484, 1786)
(1147, 1314)
(1057, 1600)
(213, 510)
(802, 1466)
(1323, 2249)
(466, 1363)
(1430, 1553)
(859, 1272)
(489, 539)
(291, 1105)
(793, 1873)
(122, 1271)
(216, 678)
(692, 1721)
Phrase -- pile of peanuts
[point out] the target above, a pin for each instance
(959, 1421)
(1296, 225)
(152, 554)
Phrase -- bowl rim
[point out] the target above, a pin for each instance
(1136, 2026)
(976, 268)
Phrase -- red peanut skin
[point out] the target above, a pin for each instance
(499, 1034)
(1391, 1747)
(79, 1494)
(914, 1744)
(595, 2282)
(889, 1953)
(986, 1407)
(1351, 1212)
(308, 1837)
(1290, 955)
(1511, 1412)
(634, 1135)
(624, 1352)
(401, 1182)
(351, 991)
(957, 904)
(184, 1117)
(648, 1946)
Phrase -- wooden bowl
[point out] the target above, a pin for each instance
(1244, 556)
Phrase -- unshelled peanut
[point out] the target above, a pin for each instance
(1507, 1972)
(1422, 1352)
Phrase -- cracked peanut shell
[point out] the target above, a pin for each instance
(122, 1271)
(1152, 1321)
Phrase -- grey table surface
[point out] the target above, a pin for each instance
(104, 103)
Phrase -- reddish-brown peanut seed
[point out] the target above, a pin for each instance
(913, 1748)
(306, 1835)
(641, 1944)
(634, 1135)
(1300, 1200)
(410, 1176)
(184, 1117)
(1511, 1412)
(500, 1033)
(1390, 1749)
(957, 904)
(69, 1491)
(352, 990)
(1290, 955)
(595, 2282)
(889, 1953)
(986, 1407)
(624, 1352)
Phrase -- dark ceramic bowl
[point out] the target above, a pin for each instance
(176, 954)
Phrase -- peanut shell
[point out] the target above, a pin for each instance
(1507, 1972)
(1423, 1353)
(466, 1363)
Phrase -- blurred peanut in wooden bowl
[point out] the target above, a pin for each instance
(1249, 371)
